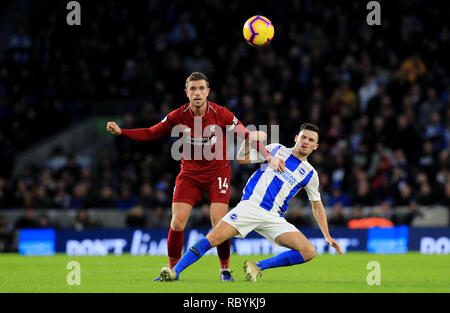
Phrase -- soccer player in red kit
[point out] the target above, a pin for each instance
(202, 174)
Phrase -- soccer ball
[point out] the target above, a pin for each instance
(258, 31)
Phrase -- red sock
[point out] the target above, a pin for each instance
(174, 246)
(223, 251)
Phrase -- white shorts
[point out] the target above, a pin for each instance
(248, 216)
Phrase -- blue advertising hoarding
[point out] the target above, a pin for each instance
(154, 241)
(430, 240)
(37, 241)
(388, 240)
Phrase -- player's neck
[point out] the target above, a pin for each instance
(199, 111)
(299, 156)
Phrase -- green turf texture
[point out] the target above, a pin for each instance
(400, 273)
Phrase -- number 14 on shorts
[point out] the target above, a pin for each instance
(223, 186)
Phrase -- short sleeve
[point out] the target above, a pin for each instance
(229, 120)
(172, 118)
(312, 188)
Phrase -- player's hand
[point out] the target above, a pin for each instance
(113, 128)
(257, 135)
(334, 244)
(276, 163)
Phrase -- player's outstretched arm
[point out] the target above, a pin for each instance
(140, 134)
(321, 218)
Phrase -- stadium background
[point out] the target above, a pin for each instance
(380, 95)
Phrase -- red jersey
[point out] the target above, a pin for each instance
(204, 139)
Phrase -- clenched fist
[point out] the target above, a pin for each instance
(276, 163)
(113, 128)
(257, 136)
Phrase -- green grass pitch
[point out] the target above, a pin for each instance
(399, 273)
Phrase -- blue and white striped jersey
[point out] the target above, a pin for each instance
(272, 189)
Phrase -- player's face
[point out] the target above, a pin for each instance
(197, 91)
(306, 142)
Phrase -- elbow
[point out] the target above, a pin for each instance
(317, 206)
(243, 161)
(240, 161)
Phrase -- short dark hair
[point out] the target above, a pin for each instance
(197, 76)
(312, 127)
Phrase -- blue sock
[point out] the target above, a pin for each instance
(288, 258)
(192, 255)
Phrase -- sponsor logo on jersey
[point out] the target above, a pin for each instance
(288, 177)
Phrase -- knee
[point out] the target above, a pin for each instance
(308, 253)
(213, 239)
(215, 221)
(178, 223)
(216, 218)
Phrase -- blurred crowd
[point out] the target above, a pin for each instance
(380, 95)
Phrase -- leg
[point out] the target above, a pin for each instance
(185, 194)
(302, 251)
(297, 241)
(219, 194)
(217, 211)
(219, 234)
(180, 216)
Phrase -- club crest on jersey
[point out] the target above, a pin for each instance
(233, 217)
(235, 122)
(302, 171)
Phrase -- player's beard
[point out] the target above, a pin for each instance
(197, 105)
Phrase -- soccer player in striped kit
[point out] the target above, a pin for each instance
(263, 203)
(203, 124)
